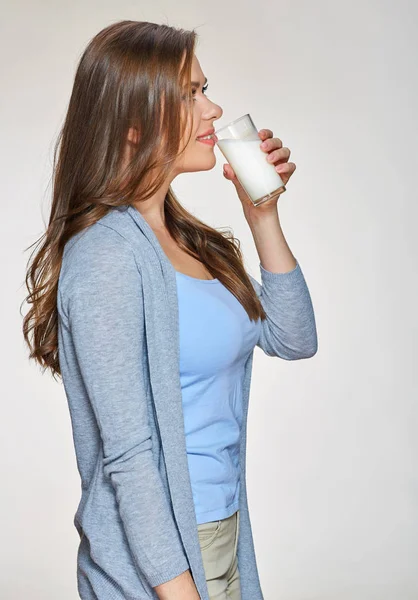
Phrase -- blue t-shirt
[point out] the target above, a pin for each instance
(216, 337)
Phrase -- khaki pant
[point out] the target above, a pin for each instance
(218, 543)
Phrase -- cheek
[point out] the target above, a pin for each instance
(195, 119)
(191, 129)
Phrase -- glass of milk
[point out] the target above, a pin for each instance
(240, 143)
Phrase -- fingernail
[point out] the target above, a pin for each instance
(264, 145)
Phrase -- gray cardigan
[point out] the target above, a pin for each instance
(119, 358)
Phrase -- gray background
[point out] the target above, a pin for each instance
(337, 82)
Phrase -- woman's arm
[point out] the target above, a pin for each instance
(289, 331)
(180, 588)
(103, 302)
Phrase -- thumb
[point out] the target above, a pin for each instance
(228, 171)
(229, 174)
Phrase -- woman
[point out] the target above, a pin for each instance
(151, 319)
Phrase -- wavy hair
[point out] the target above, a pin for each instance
(132, 74)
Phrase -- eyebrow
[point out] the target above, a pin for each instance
(197, 83)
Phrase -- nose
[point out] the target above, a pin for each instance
(214, 111)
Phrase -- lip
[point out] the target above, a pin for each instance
(207, 132)
(209, 142)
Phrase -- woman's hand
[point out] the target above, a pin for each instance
(278, 156)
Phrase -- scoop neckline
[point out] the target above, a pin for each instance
(214, 280)
(137, 215)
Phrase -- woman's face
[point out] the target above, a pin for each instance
(197, 155)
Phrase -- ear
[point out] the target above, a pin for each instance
(133, 135)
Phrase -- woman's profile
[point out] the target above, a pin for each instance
(150, 318)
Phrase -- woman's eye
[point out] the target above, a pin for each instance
(204, 88)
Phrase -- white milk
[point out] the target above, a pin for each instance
(258, 177)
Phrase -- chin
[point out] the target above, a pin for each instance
(200, 165)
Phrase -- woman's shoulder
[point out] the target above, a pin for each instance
(98, 253)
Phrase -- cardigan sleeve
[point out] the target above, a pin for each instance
(104, 306)
(289, 332)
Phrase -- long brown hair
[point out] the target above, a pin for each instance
(130, 75)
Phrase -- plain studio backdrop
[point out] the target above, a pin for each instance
(337, 83)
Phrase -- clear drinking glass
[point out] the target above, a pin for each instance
(240, 143)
